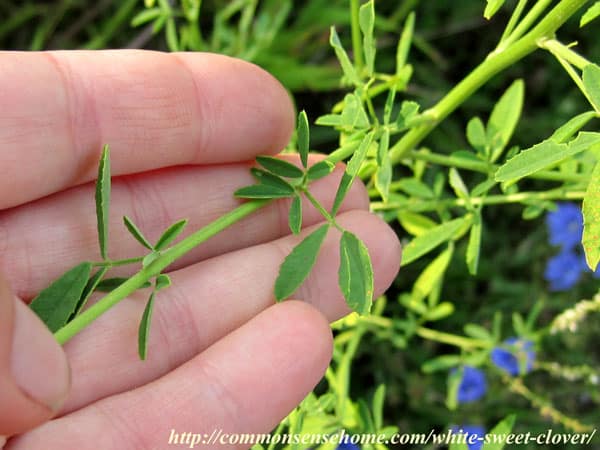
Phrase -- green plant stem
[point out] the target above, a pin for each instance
(497, 61)
(559, 49)
(514, 19)
(320, 208)
(487, 168)
(120, 262)
(432, 205)
(451, 339)
(525, 24)
(356, 38)
(155, 268)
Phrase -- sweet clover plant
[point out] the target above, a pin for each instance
(444, 180)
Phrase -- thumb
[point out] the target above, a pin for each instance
(34, 373)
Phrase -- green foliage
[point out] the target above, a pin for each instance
(356, 273)
(103, 200)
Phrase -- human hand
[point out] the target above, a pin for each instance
(182, 128)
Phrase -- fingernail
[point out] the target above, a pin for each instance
(38, 363)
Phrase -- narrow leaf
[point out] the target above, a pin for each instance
(136, 233)
(476, 134)
(356, 273)
(351, 171)
(492, 8)
(432, 275)
(591, 82)
(503, 428)
(89, 289)
(429, 240)
(263, 191)
(591, 220)
(404, 42)
(544, 154)
(590, 14)
(145, 16)
(354, 115)
(320, 170)
(303, 132)
(269, 179)
(473, 248)
(144, 330)
(366, 21)
(457, 184)
(170, 234)
(279, 167)
(298, 264)
(110, 284)
(295, 215)
(383, 177)
(103, 200)
(505, 116)
(55, 304)
(342, 56)
(568, 130)
(414, 223)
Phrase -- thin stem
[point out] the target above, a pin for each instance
(559, 49)
(322, 210)
(356, 39)
(525, 24)
(496, 62)
(155, 268)
(487, 168)
(120, 262)
(514, 19)
(432, 205)
(451, 339)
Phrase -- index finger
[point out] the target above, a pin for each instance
(153, 109)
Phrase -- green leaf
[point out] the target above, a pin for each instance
(351, 171)
(110, 284)
(89, 289)
(320, 170)
(170, 234)
(492, 8)
(476, 134)
(162, 281)
(303, 132)
(409, 111)
(405, 42)
(439, 312)
(544, 154)
(269, 179)
(366, 21)
(55, 304)
(144, 330)
(415, 187)
(429, 240)
(474, 246)
(389, 105)
(432, 275)
(478, 332)
(414, 223)
(136, 233)
(298, 264)
(378, 403)
(443, 362)
(103, 199)
(592, 13)
(591, 220)
(145, 16)
(505, 116)
(342, 56)
(263, 191)
(591, 82)
(568, 130)
(295, 215)
(356, 273)
(354, 115)
(383, 177)
(279, 167)
(457, 184)
(503, 428)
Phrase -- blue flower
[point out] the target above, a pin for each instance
(515, 360)
(477, 431)
(472, 385)
(347, 446)
(565, 225)
(564, 270)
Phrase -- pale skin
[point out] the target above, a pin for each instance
(183, 130)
